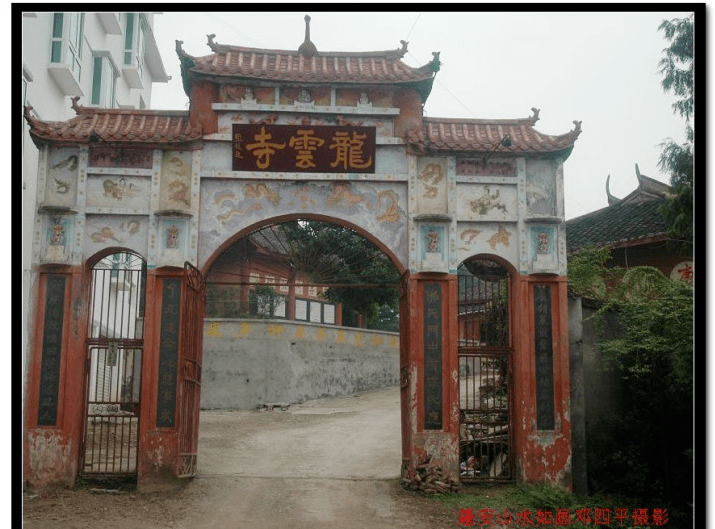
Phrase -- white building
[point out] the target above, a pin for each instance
(106, 59)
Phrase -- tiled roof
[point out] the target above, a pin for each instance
(617, 225)
(484, 136)
(383, 67)
(648, 189)
(96, 125)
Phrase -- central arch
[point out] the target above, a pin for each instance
(276, 328)
(277, 219)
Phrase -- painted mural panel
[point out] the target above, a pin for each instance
(121, 158)
(483, 202)
(126, 193)
(486, 167)
(431, 188)
(62, 174)
(175, 190)
(496, 238)
(228, 206)
(541, 188)
(105, 231)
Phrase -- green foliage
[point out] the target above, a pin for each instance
(587, 273)
(262, 301)
(677, 69)
(677, 64)
(365, 278)
(644, 448)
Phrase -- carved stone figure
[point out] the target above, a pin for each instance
(487, 202)
(432, 240)
(172, 237)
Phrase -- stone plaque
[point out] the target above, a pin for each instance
(168, 352)
(544, 358)
(433, 356)
(51, 350)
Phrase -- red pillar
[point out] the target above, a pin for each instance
(542, 455)
(158, 445)
(54, 391)
(429, 431)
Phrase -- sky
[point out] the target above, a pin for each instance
(600, 68)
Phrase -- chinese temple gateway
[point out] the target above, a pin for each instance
(136, 205)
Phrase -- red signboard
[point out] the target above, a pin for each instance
(303, 148)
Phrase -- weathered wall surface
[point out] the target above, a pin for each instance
(595, 394)
(247, 363)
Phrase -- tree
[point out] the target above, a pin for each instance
(363, 278)
(644, 449)
(677, 69)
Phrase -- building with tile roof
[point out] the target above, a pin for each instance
(632, 227)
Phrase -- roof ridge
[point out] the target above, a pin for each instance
(82, 110)
(230, 48)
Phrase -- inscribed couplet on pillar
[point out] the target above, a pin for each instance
(544, 358)
(433, 356)
(51, 350)
(168, 352)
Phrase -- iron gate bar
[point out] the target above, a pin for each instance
(113, 367)
(485, 371)
(111, 427)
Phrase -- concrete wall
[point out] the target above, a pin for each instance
(595, 391)
(247, 363)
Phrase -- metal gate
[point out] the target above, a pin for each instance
(193, 306)
(485, 373)
(113, 367)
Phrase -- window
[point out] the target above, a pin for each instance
(314, 311)
(128, 38)
(104, 82)
(135, 27)
(66, 41)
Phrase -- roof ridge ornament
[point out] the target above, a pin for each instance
(401, 51)
(639, 176)
(612, 201)
(533, 119)
(213, 45)
(434, 64)
(307, 49)
(75, 105)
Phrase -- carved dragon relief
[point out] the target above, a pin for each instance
(430, 176)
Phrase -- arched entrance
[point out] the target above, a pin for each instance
(485, 371)
(296, 310)
(115, 343)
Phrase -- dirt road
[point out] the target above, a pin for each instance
(323, 464)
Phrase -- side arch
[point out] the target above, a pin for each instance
(485, 349)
